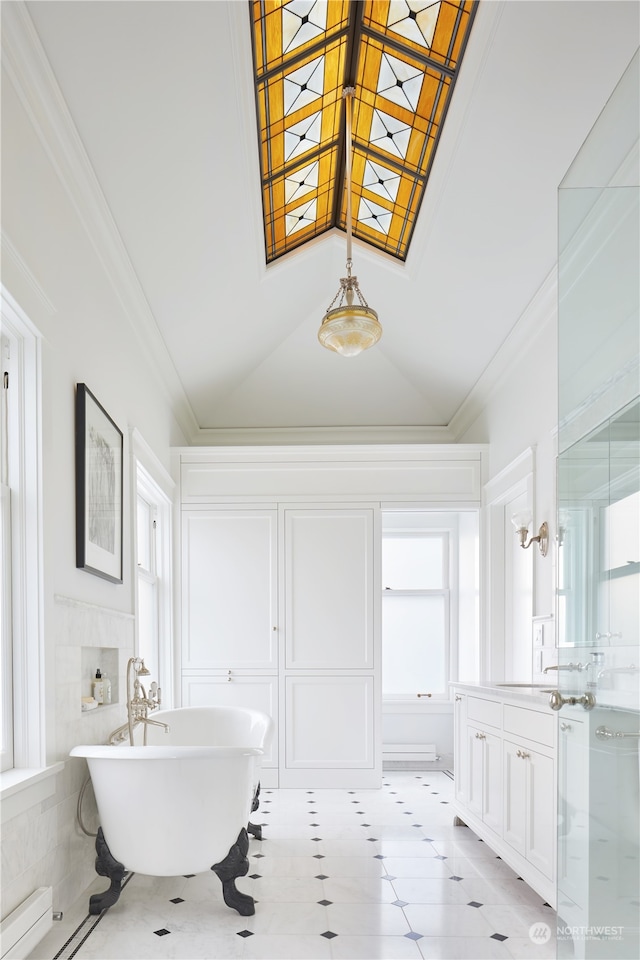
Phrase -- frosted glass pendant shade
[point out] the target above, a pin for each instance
(522, 520)
(348, 330)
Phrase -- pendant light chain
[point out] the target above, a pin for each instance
(348, 93)
(349, 328)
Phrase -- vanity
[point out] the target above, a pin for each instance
(505, 747)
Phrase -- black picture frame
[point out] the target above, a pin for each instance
(99, 488)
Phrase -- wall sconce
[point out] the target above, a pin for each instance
(522, 522)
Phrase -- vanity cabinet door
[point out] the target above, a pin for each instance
(541, 821)
(529, 804)
(484, 783)
(475, 766)
(492, 805)
(515, 797)
(461, 773)
(573, 821)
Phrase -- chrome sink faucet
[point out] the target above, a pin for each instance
(565, 666)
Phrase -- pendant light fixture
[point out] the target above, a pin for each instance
(350, 327)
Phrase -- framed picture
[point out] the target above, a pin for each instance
(99, 469)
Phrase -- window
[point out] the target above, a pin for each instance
(403, 59)
(147, 584)
(6, 662)
(153, 565)
(429, 588)
(22, 676)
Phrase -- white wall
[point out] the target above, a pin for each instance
(520, 411)
(65, 285)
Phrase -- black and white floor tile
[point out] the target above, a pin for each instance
(339, 875)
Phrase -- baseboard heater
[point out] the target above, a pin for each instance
(424, 752)
(25, 927)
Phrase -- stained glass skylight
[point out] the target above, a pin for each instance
(402, 57)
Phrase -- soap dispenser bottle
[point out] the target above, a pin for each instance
(101, 688)
(98, 687)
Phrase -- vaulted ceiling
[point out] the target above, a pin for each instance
(162, 97)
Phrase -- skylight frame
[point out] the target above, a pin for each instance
(380, 48)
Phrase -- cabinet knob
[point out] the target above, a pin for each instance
(481, 736)
(565, 726)
(458, 697)
(228, 676)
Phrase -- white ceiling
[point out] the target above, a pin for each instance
(161, 95)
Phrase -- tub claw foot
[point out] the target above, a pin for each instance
(235, 865)
(255, 829)
(106, 866)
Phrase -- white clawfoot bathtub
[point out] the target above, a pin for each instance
(179, 804)
(216, 726)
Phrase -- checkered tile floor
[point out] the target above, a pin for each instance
(339, 874)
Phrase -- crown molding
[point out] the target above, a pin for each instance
(30, 73)
(11, 255)
(275, 436)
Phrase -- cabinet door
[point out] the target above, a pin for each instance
(329, 589)
(492, 782)
(256, 693)
(541, 822)
(329, 731)
(460, 770)
(229, 594)
(475, 769)
(515, 797)
(573, 821)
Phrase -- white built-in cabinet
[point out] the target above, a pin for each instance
(279, 613)
(279, 595)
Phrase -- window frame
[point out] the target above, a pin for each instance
(151, 483)
(25, 481)
(431, 523)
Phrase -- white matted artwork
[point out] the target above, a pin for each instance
(99, 476)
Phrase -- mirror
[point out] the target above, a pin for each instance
(599, 534)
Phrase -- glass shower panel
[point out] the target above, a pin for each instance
(598, 524)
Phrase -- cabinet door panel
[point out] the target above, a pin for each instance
(475, 770)
(460, 747)
(329, 589)
(330, 722)
(541, 819)
(229, 601)
(492, 786)
(515, 797)
(573, 821)
(256, 693)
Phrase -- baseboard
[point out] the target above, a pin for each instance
(25, 926)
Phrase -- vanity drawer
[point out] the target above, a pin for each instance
(484, 711)
(530, 724)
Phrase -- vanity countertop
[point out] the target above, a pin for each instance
(531, 693)
(537, 694)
